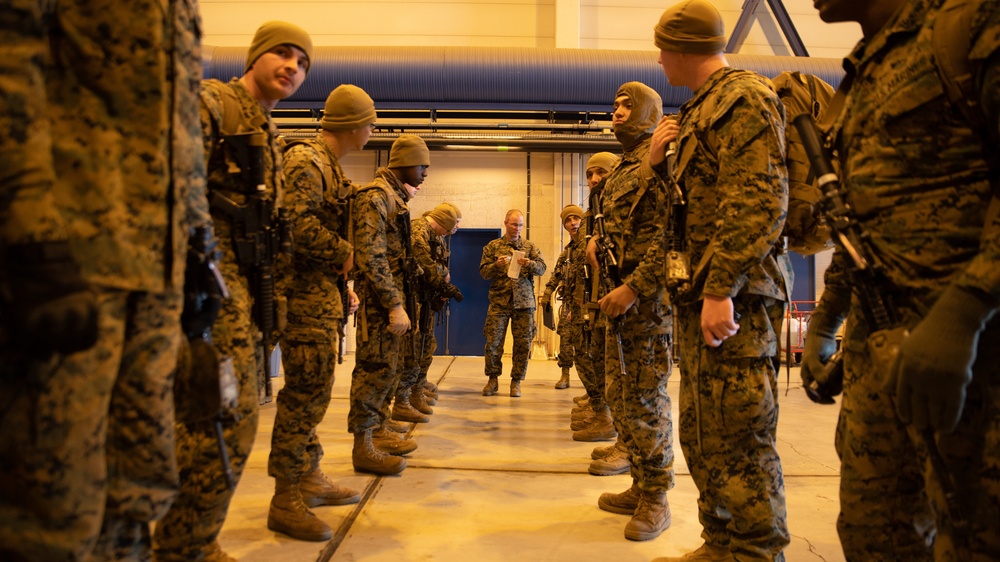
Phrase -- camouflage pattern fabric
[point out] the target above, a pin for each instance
(379, 254)
(922, 196)
(564, 281)
(111, 165)
(431, 254)
(193, 523)
(511, 300)
(315, 306)
(738, 406)
(633, 202)
(730, 447)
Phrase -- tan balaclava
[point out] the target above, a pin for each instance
(348, 107)
(647, 108)
(691, 26)
(603, 160)
(444, 215)
(409, 150)
(274, 33)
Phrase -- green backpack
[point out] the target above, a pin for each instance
(806, 231)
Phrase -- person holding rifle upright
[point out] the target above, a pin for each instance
(919, 428)
(729, 279)
(626, 253)
(319, 195)
(243, 158)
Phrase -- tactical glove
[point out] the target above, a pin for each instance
(935, 362)
(822, 384)
(204, 288)
(46, 305)
(399, 321)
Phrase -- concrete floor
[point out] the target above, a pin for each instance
(501, 478)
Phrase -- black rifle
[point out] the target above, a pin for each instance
(410, 283)
(345, 228)
(881, 311)
(259, 234)
(205, 386)
(610, 278)
(677, 264)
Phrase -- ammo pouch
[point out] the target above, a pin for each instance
(205, 386)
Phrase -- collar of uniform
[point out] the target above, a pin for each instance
(713, 80)
(906, 21)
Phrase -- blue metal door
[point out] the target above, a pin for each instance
(461, 333)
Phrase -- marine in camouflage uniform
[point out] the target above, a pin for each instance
(633, 202)
(191, 527)
(382, 248)
(98, 149)
(431, 254)
(919, 180)
(511, 300)
(566, 277)
(730, 166)
(318, 194)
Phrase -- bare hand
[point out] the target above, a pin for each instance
(618, 301)
(665, 133)
(523, 261)
(353, 302)
(717, 323)
(503, 261)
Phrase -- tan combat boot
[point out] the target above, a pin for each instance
(289, 514)
(651, 517)
(624, 503)
(368, 459)
(317, 489)
(429, 387)
(403, 411)
(491, 388)
(395, 426)
(603, 451)
(705, 553)
(617, 462)
(515, 388)
(563, 380)
(214, 553)
(600, 428)
(391, 442)
(581, 399)
(418, 400)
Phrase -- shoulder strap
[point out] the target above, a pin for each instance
(324, 167)
(951, 41)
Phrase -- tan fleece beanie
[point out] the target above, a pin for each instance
(274, 33)
(571, 211)
(458, 212)
(348, 107)
(691, 26)
(409, 150)
(444, 215)
(603, 160)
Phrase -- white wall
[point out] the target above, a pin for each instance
(600, 24)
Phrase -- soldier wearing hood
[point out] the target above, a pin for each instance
(633, 202)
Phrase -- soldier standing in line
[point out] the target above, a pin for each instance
(564, 278)
(626, 251)
(385, 283)
(319, 194)
(920, 166)
(612, 459)
(234, 115)
(434, 288)
(511, 300)
(731, 171)
(102, 185)
(441, 251)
